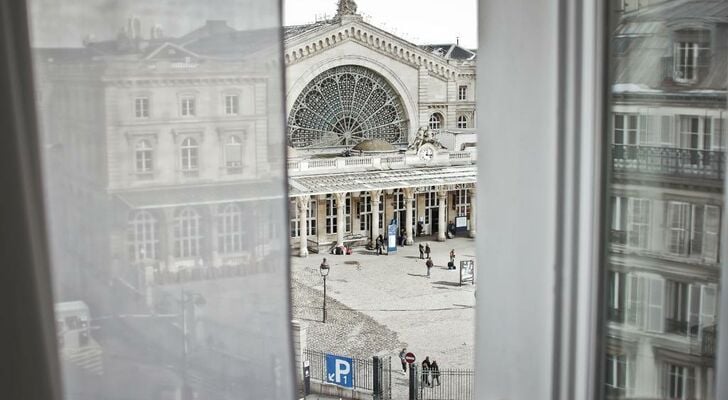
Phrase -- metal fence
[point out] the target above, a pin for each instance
(363, 369)
(446, 384)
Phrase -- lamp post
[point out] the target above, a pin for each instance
(324, 270)
(193, 299)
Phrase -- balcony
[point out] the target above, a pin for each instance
(616, 314)
(707, 342)
(668, 161)
(676, 326)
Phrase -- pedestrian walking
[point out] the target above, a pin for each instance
(402, 354)
(422, 252)
(427, 250)
(429, 264)
(435, 369)
(402, 237)
(380, 244)
(452, 255)
(426, 371)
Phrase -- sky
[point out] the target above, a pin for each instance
(67, 22)
(421, 22)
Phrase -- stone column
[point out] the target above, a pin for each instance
(472, 211)
(374, 195)
(442, 226)
(340, 223)
(302, 204)
(409, 198)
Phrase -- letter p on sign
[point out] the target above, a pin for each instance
(339, 370)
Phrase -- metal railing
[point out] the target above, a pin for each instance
(616, 314)
(363, 369)
(446, 384)
(675, 162)
(676, 326)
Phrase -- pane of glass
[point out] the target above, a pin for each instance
(167, 285)
(665, 345)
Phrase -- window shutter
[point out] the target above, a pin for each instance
(667, 136)
(655, 300)
(696, 231)
(707, 306)
(711, 233)
(693, 308)
(718, 133)
(642, 130)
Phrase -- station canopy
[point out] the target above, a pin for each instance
(382, 180)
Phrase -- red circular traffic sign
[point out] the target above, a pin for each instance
(409, 357)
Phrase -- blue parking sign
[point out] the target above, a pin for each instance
(340, 371)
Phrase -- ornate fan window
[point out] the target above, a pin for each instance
(345, 105)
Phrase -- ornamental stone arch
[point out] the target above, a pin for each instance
(370, 69)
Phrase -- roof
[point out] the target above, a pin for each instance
(200, 194)
(290, 32)
(381, 180)
(373, 145)
(450, 51)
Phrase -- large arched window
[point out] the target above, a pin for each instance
(189, 155)
(234, 154)
(462, 122)
(142, 236)
(187, 233)
(230, 229)
(345, 105)
(436, 121)
(143, 157)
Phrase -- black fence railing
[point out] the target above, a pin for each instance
(363, 369)
(446, 384)
(707, 342)
(676, 326)
(676, 162)
(618, 237)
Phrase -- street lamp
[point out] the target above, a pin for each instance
(324, 270)
(188, 299)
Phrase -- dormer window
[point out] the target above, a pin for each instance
(691, 50)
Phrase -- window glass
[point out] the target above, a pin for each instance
(165, 287)
(666, 197)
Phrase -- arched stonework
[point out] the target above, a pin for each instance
(345, 105)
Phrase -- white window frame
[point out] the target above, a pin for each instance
(232, 104)
(685, 62)
(189, 156)
(187, 233)
(141, 107)
(188, 106)
(463, 92)
(463, 122)
(365, 212)
(144, 158)
(436, 121)
(230, 229)
(143, 236)
(232, 166)
(639, 214)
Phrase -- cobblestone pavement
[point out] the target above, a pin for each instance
(379, 304)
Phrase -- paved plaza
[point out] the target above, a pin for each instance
(379, 304)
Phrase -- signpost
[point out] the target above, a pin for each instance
(340, 371)
(410, 358)
(467, 271)
(306, 378)
(392, 237)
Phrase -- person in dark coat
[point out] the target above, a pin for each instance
(426, 371)
(429, 264)
(380, 244)
(422, 252)
(402, 354)
(435, 369)
(427, 250)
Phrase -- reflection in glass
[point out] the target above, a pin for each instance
(667, 135)
(163, 151)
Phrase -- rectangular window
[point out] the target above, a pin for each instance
(231, 104)
(462, 92)
(677, 225)
(619, 220)
(680, 382)
(141, 107)
(686, 60)
(616, 296)
(677, 307)
(331, 215)
(638, 223)
(187, 107)
(616, 374)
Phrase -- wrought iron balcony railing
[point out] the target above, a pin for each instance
(676, 326)
(675, 162)
(616, 314)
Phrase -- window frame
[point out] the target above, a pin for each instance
(462, 92)
(436, 121)
(141, 111)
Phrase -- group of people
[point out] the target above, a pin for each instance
(425, 252)
(430, 369)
